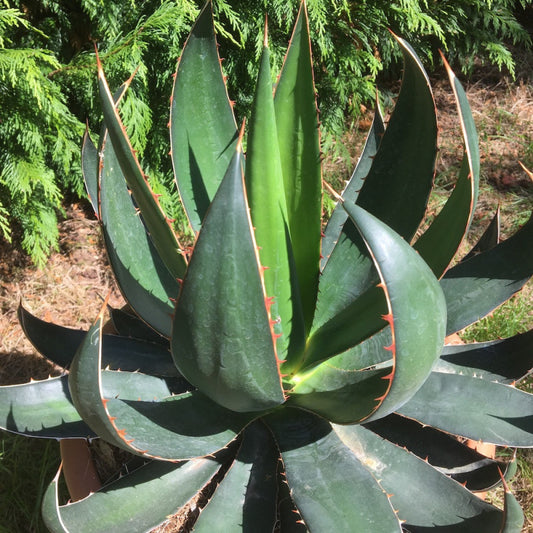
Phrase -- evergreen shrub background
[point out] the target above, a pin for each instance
(48, 81)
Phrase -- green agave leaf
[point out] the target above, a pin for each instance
(331, 487)
(441, 240)
(290, 520)
(514, 516)
(141, 500)
(90, 162)
(203, 133)
(358, 321)
(130, 325)
(416, 310)
(475, 287)
(59, 345)
(489, 239)
(141, 274)
(397, 187)
(474, 408)
(505, 360)
(246, 498)
(157, 224)
(425, 498)
(347, 267)
(442, 451)
(369, 353)
(297, 127)
(222, 339)
(90, 158)
(335, 224)
(266, 197)
(45, 408)
(341, 392)
(41, 409)
(165, 426)
(183, 426)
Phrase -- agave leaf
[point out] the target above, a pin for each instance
(474, 408)
(513, 514)
(290, 520)
(424, 497)
(222, 340)
(169, 426)
(142, 498)
(45, 408)
(504, 360)
(246, 498)
(475, 287)
(59, 345)
(331, 487)
(339, 216)
(127, 324)
(347, 267)
(395, 190)
(339, 391)
(41, 409)
(90, 158)
(416, 310)
(183, 426)
(90, 162)
(358, 321)
(397, 187)
(266, 197)
(203, 133)
(158, 226)
(141, 274)
(489, 239)
(442, 451)
(297, 127)
(441, 240)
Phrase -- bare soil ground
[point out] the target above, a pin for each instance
(71, 288)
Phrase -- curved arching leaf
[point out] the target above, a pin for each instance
(142, 499)
(298, 137)
(203, 132)
(425, 498)
(141, 274)
(246, 499)
(157, 224)
(59, 345)
(169, 426)
(474, 408)
(397, 187)
(268, 209)
(439, 243)
(331, 487)
(222, 339)
(417, 311)
(475, 287)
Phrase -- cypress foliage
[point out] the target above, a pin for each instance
(48, 91)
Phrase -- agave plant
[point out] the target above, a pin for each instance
(294, 377)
